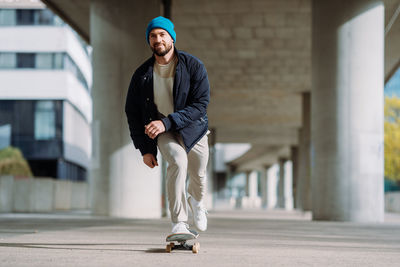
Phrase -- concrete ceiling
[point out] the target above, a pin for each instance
(392, 37)
(258, 57)
(258, 158)
(75, 12)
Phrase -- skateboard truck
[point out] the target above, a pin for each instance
(181, 239)
(183, 246)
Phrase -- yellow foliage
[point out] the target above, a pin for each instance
(392, 138)
(12, 162)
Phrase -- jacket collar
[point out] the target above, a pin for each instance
(152, 60)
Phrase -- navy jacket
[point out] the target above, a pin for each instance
(191, 94)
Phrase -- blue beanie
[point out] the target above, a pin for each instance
(163, 23)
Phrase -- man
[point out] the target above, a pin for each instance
(166, 107)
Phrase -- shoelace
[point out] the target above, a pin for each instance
(186, 225)
(203, 210)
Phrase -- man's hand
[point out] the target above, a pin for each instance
(154, 128)
(150, 160)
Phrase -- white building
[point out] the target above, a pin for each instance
(46, 77)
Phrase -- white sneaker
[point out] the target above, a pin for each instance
(199, 213)
(180, 228)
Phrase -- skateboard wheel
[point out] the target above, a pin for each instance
(196, 248)
(172, 244)
(168, 248)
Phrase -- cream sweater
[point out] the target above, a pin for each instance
(163, 78)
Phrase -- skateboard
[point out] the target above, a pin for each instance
(182, 244)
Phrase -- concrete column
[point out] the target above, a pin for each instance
(211, 195)
(251, 200)
(281, 184)
(247, 186)
(272, 182)
(121, 185)
(294, 156)
(347, 110)
(244, 198)
(264, 187)
(303, 191)
(285, 193)
(164, 198)
(300, 173)
(288, 185)
(253, 185)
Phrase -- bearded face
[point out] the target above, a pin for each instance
(161, 49)
(160, 42)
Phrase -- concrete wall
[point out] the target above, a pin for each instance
(62, 195)
(41, 194)
(135, 190)
(79, 195)
(22, 199)
(392, 202)
(6, 193)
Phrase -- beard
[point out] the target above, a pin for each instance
(159, 52)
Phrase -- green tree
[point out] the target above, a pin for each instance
(392, 138)
(12, 162)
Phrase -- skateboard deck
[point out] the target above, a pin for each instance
(182, 239)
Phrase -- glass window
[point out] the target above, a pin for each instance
(25, 17)
(58, 60)
(25, 60)
(5, 136)
(8, 60)
(45, 120)
(69, 65)
(44, 61)
(7, 17)
(44, 17)
(58, 21)
(73, 68)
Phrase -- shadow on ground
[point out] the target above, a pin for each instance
(84, 246)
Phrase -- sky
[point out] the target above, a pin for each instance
(392, 87)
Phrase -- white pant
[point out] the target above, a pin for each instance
(180, 164)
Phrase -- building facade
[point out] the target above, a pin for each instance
(46, 77)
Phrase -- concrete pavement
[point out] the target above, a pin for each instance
(234, 238)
